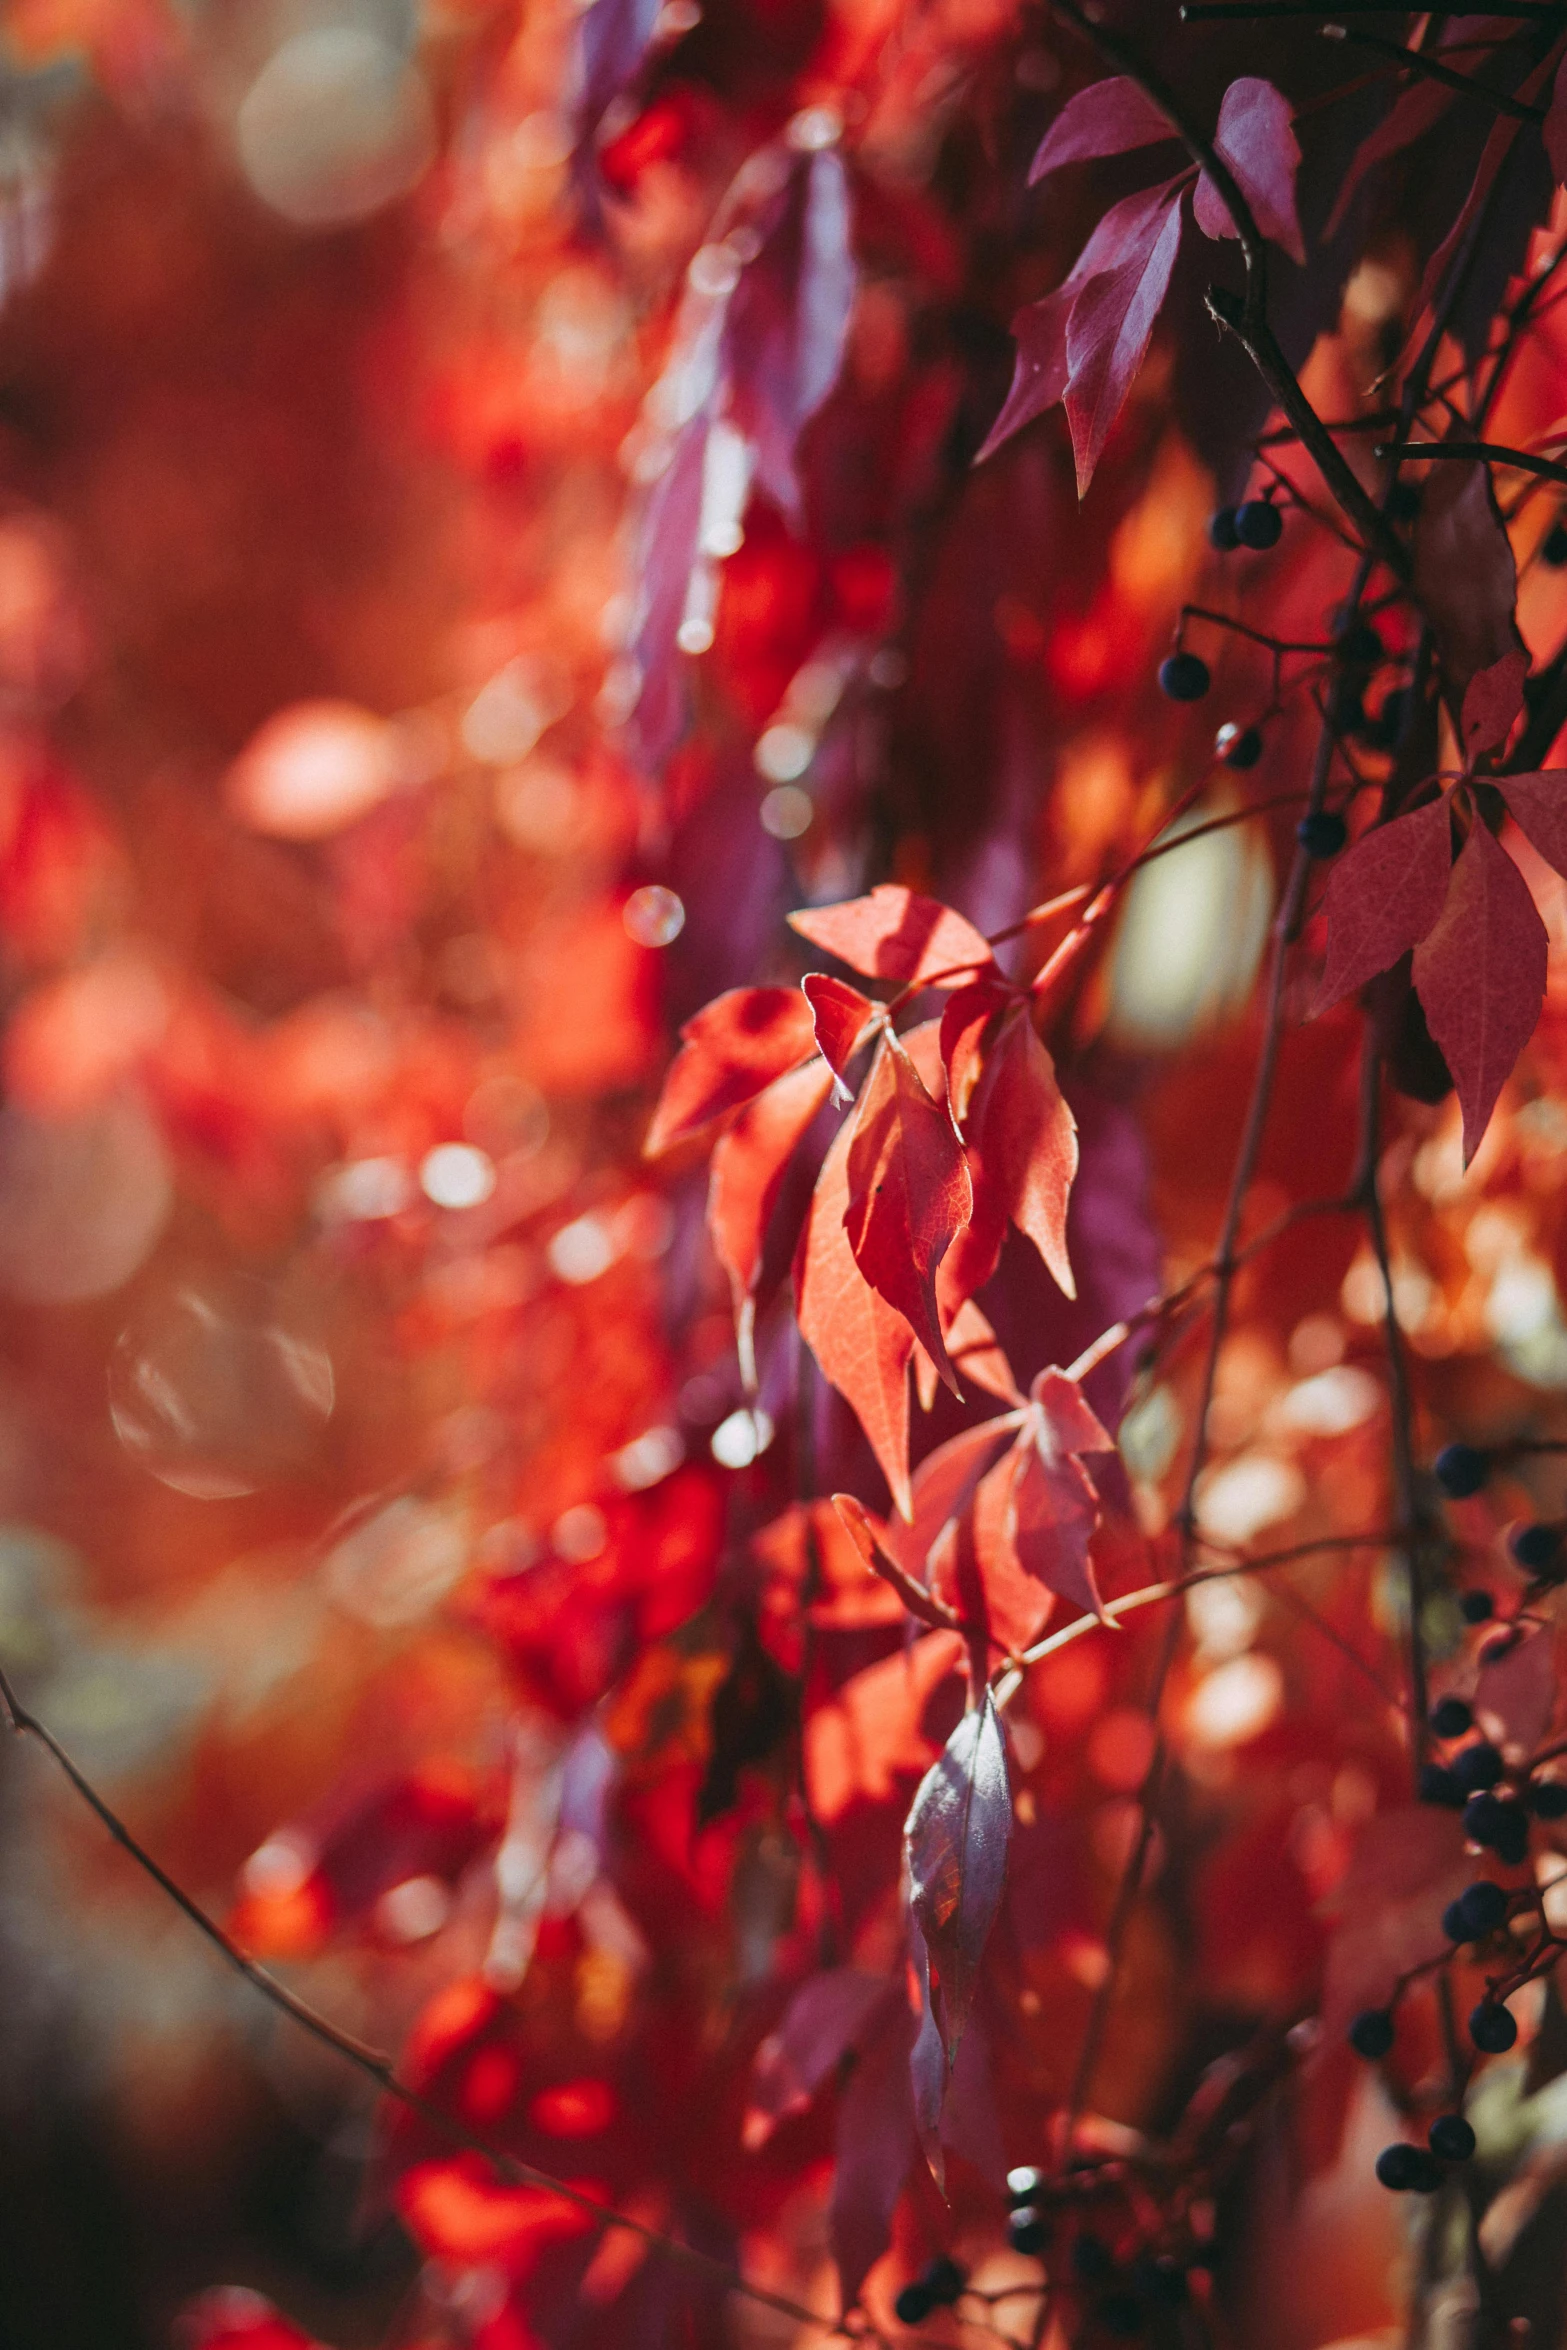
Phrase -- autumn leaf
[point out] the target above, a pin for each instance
(1027, 1139)
(955, 1843)
(1480, 977)
(944, 1485)
(909, 1194)
(749, 1164)
(861, 1343)
(841, 1015)
(828, 2017)
(977, 1356)
(734, 1046)
(1054, 1506)
(1466, 582)
(1256, 138)
(1110, 328)
(1537, 804)
(1493, 699)
(1108, 118)
(897, 934)
(1384, 895)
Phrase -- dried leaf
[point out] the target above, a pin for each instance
(909, 1194)
(1108, 118)
(735, 1045)
(956, 1848)
(1110, 328)
(896, 934)
(1480, 977)
(861, 1343)
(841, 1015)
(1538, 806)
(1465, 579)
(749, 1165)
(1256, 138)
(1383, 897)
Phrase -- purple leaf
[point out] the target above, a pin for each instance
(956, 1841)
(1383, 897)
(1256, 138)
(1110, 329)
(1108, 118)
(1538, 806)
(831, 2014)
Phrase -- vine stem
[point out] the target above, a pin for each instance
(371, 2063)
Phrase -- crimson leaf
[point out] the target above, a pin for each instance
(1383, 898)
(1480, 977)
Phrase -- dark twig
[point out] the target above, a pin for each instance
(1486, 452)
(1419, 62)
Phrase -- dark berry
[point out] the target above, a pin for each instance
(1510, 1836)
(1403, 502)
(1371, 2033)
(1482, 1908)
(1461, 1469)
(1259, 524)
(1184, 677)
(1439, 1785)
(1122, 2313)
(1452, 2138)
(1322, 833)
(1554, 549)
(1454, 1923)
(1397, 2167)
(1093, 2261)
(1484, 1814)
(1024, 2184)
(1428, 2174)
(1239, 746)
(1491, 2027)
(1450, 1718)
(944, 2281)
(1026, 2229)
(1360, 646)
(913, 2305)
(1537, 1548)
(1221, 530)
(1476, 1607)
(1477, 1766)
(1160, 2278)
(1548, 1799)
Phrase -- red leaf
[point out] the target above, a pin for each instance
(965, 1024)
(1416, 109)
(1554, 129)
(828, 2016)
(955, 1845)
(840, 1013)
(735, 1045)
(1516, 1687)
(1108, 118)
(896, 934)
(861, 1344)
(874, 2147)
(1464, 575)
(978, 1356)
(1538, 806)
(944, 1485)
(1383, 896)
(1110, 328)
(1054, 1505)
(748, 1171)
(868, 1735)
(1481, 977)
(975, 1567)
(1028, 1139)
(909, 1194)
(1040, 376)
(1493, 698)
(1256, 138)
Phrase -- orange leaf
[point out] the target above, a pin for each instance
(748, 1171)
(840, 1012)
(735, 1045)
(896, 934)
(909, 1194)
(860, 1343)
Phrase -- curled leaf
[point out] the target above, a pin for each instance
(955, 1843)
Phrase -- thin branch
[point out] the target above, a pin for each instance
(1489, 452)
(370, 2062)
(1420, 62)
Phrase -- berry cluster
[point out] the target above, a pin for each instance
(936, 2287)
(1128, 2289)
